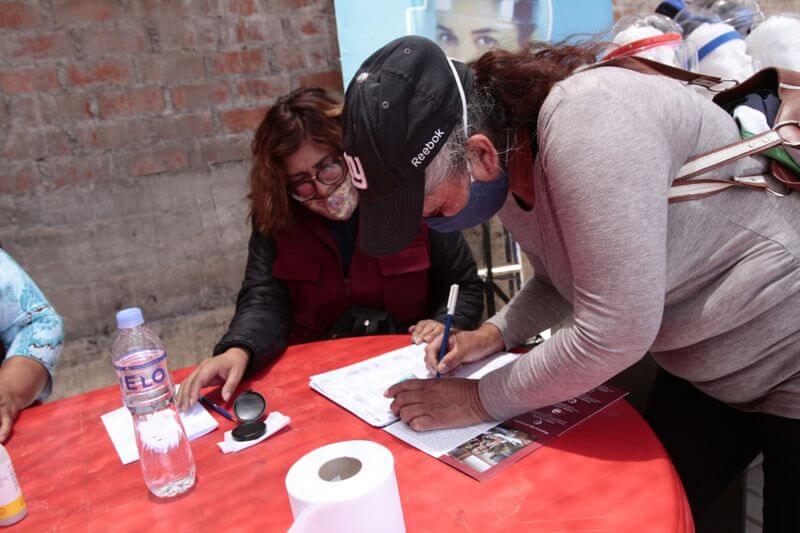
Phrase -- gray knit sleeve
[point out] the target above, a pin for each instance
(535, 308)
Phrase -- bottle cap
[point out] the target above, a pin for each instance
(129, 318)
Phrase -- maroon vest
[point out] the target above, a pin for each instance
(308, 262)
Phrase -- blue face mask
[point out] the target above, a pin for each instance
(485, 200)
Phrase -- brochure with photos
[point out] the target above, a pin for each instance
(496, 449)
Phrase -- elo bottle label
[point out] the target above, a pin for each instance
(143, 371)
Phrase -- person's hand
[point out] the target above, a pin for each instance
(426, 404)
(463, 347)
(9, 409)
(425, 331)
(226, 368)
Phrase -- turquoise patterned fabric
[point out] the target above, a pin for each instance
(29, 326)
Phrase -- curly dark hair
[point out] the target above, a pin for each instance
(518, 82)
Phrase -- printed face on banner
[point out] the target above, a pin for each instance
(465, 29)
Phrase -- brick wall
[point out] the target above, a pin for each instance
(124, 133)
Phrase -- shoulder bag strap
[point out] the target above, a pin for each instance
(687, 185)
(648, 66)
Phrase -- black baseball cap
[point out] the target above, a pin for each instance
(399, 110)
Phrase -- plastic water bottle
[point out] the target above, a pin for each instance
(140, 360)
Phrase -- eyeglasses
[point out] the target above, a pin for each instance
(331, 173)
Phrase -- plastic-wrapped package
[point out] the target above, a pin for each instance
(776, 42)
(721, 51)
(743, 15)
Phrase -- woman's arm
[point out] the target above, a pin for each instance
(33, 336)
(257, 333)
(21, 381)
(23, 378)
(263, 308)
(535, 308)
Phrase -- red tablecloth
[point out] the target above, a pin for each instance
(609, 474)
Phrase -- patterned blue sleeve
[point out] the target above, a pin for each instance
(29, 326)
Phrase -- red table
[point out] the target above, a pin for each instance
(609, 474)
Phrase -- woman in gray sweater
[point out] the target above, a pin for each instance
(579, 166)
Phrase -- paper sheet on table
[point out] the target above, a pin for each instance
(119, 425)
(359, 387)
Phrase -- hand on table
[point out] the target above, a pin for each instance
(22, 379)
(426, 404)
(463, 347)
(9, 409)
(226, 368)
(425, 331)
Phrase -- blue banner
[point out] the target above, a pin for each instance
(464, 28)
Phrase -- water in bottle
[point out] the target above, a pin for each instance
(140, 360)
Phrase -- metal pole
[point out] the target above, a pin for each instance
(486, 242)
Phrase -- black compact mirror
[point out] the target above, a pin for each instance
(249, 407)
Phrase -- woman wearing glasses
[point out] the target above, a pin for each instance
(306, 278)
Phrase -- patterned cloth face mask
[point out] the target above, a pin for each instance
(339, 205)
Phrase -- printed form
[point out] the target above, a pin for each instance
(359, 388)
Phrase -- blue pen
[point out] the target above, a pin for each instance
(214, 407)
(451, 309)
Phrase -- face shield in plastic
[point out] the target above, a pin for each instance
(653, 37)
(743, 15)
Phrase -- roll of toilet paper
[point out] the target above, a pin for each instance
(346, 486)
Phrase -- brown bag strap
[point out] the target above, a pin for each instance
(648, 66)
(694, 189)
(686, 185)
(754, 145)
(724, 155)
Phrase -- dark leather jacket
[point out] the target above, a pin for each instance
(294, 288)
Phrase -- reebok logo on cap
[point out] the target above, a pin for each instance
(429, 146)
(357, 175)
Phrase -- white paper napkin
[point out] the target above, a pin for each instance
(275, 422)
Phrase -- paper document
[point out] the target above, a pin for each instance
(119, 425)
(359, 387)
